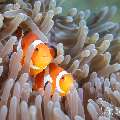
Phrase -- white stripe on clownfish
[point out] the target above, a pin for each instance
(58, 78)
(29, 53)
(48, 78)
(34, 67)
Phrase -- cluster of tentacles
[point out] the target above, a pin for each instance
(88, 46)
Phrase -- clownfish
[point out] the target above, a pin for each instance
(60, 80)
(42, 55)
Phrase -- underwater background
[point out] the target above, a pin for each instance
(94, 5)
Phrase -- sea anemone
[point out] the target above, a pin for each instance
(87, 45)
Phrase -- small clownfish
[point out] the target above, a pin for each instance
(41, 57)
(58, 77)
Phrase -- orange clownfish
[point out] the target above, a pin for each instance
(42, 55)
(58, 77)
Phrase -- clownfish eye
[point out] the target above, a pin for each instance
(62, 78)
(36, 49)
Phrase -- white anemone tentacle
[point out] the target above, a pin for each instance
(47, 78)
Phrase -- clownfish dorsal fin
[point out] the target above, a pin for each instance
(53, 52)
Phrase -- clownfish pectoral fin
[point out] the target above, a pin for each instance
(53, 52)
(47, 78)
